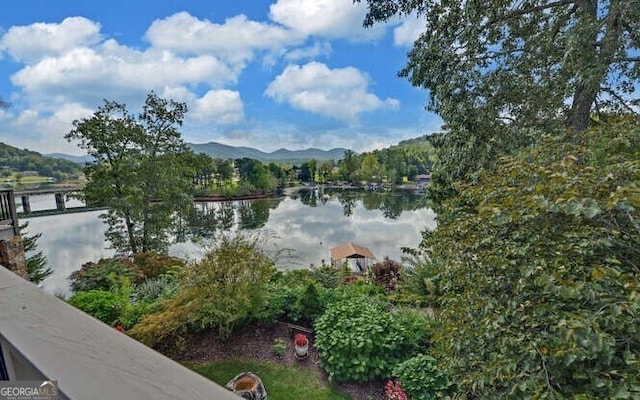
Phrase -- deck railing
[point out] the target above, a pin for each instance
(42, 338)
(9, 225)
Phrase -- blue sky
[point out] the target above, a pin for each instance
(266, 74)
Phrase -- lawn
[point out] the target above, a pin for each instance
(281, 382)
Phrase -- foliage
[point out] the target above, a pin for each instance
(153, 264)
(223, 291)
(102, 275)
(153, 289)
(360, 339)
(498, 71)
(36, 261)
(282, 382)
(393, 390)
(140, 170)
(327, 275)
(387, 274)
(279, 347)
(538, 271)
(422, 379)
(310, 304)
(301, 339)
(103, 305)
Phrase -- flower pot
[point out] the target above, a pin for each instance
(302, 351)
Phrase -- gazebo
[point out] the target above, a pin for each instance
(357, 257)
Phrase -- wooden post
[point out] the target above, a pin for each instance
(26, 207)
(60, 201)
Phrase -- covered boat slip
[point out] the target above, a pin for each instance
(356, 257)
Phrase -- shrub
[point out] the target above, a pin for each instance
(223, 291)
(422, 379)
(360, 339)
(153, 264)
(386, 274)
(103, 305)
(310, 304)
(104, 274)
(538, 266)
(279, 347)
(153, 289)
(327, 275)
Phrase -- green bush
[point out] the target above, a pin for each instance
(360, 339)
(327, 276)
(104, 274)
(103, 305)
(422, 379)
(223, 291)
(538, 270)
(153, 289)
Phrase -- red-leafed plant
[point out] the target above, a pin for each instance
(301, 339)
(394, 391)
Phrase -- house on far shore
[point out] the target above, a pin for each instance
(355, 257)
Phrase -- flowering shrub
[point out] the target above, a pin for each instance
(394, 391)
(301, 339)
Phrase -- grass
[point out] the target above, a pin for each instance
(281, 382)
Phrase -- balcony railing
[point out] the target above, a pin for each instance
(44, 338)
(9, 225)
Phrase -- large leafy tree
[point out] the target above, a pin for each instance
(497, 69)
(536, 271)
(139, 171)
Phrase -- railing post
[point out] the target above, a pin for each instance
(60, 201)
(26, 206)
(14, 214)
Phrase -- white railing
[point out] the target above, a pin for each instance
(44, 338)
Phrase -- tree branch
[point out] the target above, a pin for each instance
(516, 14)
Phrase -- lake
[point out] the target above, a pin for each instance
(306, 225)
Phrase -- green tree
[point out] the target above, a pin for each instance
(495, 70)
(535, 271)
(348, 165)
(36, 260)
(139, 170)
(370, 167)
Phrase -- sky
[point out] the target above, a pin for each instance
(273, 74)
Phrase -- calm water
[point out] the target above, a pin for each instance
(307, 225)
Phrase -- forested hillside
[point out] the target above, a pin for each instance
(13, 159)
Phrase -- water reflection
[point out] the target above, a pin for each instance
(307, 225)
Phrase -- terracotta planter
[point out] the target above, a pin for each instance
(248, 386)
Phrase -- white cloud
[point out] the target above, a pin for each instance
(219, 106)
(327, 18)
(235, 41)
(410, 29)
(36, 41)
(340, 93)
(112, 68)
(319, 49)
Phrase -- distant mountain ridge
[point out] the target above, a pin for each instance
(219, 150)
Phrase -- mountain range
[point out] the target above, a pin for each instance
(219, 150)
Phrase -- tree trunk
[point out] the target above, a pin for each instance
(583, 99)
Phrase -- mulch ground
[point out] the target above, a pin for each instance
(255, 343)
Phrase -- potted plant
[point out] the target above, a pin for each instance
(301, 342)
